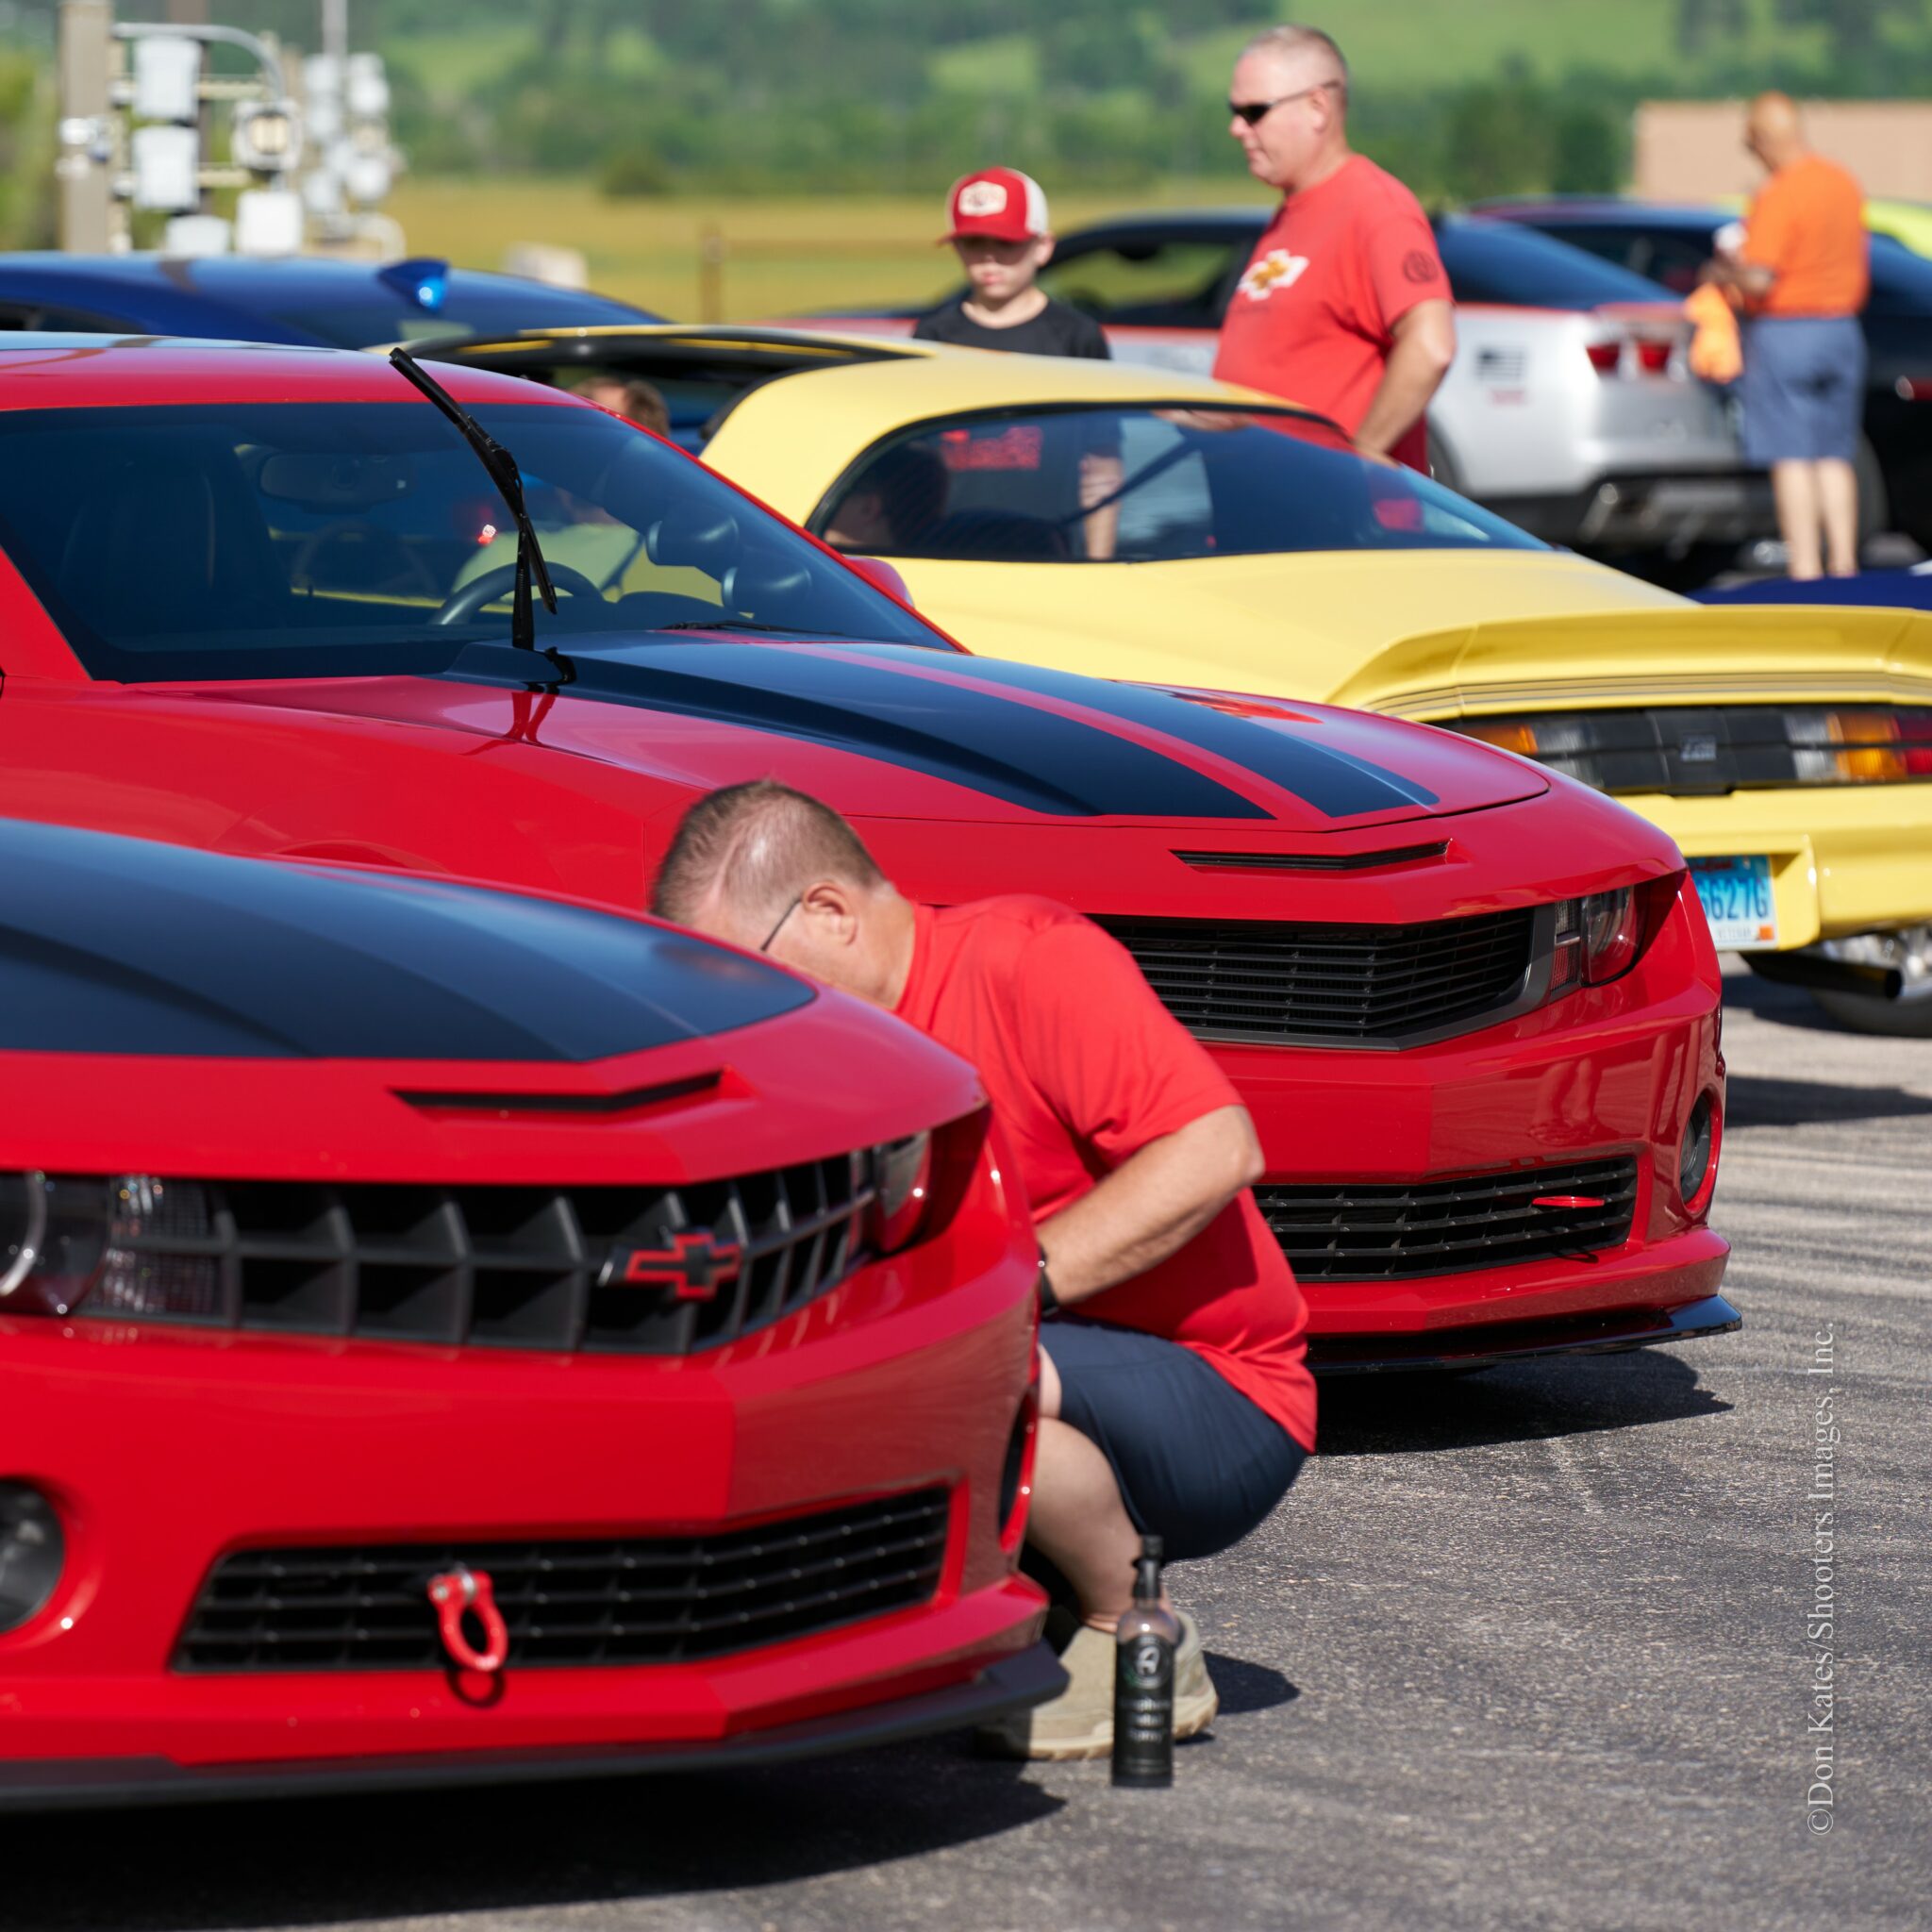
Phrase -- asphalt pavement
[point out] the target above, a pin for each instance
(1524, 1649)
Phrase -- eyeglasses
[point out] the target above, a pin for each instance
(797, 901)
(1254, 112)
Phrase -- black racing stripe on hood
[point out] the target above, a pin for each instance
(1337, 783)
(112, 945)
(1026, 756)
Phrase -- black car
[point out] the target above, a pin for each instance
(1672, 246)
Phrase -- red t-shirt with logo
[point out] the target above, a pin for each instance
(1084, 1067)
(1314, 316)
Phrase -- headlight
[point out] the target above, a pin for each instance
(902, 1173)
(32, 1552)
(65, 1240)
(1597, 939)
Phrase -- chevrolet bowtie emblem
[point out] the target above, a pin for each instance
(695, 1265)
(1698, 751)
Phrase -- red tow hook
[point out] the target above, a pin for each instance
(455, 1593)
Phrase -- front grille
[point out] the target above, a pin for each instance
(1360, 1232)
(1341, 984)
(644, 1270)
(638, 1600)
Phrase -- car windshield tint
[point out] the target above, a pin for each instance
(270, 539)
(1497, 261)
(1141, 485)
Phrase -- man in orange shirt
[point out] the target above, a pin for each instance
(1802, 276)
(1344, 307)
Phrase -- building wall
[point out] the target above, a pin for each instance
(1694, 150)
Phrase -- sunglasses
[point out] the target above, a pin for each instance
(1254, 112)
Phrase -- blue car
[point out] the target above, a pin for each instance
(343, 305)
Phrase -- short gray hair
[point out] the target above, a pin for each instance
(1298, 39)
(764, 843)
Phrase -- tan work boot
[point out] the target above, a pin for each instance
(1079, 1721)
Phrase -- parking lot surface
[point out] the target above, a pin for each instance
(1524, 1649)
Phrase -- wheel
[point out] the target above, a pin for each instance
(1874, 507)
(1863, 1012)
(1695, 568)
(464, 604)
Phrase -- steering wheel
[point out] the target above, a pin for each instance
(499, 582)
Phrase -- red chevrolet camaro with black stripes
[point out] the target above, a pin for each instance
(447, 1335)
(270, 601)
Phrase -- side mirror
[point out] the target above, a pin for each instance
(883, 575)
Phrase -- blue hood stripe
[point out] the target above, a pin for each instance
(1028, 757)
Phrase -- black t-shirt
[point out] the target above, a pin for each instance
(1057, 330)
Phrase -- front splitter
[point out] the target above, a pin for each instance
(1015, 1683)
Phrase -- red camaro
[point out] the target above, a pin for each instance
(450, 1335)
(265, 601)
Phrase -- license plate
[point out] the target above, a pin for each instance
(1737, 902)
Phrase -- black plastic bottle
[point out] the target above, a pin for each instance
(1145, 1637)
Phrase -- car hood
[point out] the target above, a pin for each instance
(118, 946)
(1297, 624)
(902, 732)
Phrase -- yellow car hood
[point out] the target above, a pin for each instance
(1419, 634)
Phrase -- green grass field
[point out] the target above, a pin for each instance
(781, 257)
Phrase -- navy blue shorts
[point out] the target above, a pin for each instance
(1803, 388)
(1199, 1465)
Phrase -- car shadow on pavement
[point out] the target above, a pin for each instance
(311, 1862)
(1782, 1005)
(1529, 1400)
(1756, 1100)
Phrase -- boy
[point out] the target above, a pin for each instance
(997, 225)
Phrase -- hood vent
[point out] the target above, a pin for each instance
(1312, 861)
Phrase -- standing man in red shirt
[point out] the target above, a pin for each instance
(1176, 1399)
(1344, 306)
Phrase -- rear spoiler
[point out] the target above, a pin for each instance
(1722, 653)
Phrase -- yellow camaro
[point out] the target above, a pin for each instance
(1127, 522)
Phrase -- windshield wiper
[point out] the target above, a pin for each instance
(508, 480)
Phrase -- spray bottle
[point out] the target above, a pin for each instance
(1146, 1638)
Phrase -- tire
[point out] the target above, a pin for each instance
(1691, 572)
(1860, 1012)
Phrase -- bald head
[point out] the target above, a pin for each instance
(741, 854)
(1773, 130)
(1288, 104)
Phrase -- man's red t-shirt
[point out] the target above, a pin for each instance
(1084, 1067)
(1314, 316)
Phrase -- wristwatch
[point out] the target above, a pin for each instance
(1042, 1286)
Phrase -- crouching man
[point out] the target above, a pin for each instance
(1175, 1395)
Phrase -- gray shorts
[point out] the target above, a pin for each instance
(1803, 388)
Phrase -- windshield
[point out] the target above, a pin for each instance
(306, 540)
(1139, 485)
(1498, 261)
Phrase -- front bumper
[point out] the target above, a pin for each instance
(165, 1449)
(1611, 1071)
(1844, 859)
(1015, 1682)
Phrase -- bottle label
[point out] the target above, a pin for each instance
(1143, 1708)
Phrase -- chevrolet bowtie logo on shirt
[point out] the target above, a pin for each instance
(1277, 269)
(695, 1266)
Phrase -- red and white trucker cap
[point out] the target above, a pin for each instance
(999, 202)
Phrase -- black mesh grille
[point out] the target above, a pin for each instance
(1250, 980)
(634, 1601)
(649, 1270)
(1355, 1232)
